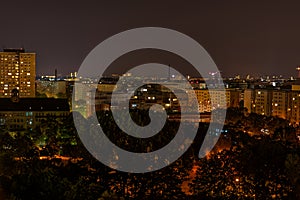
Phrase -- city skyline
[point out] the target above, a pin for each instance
(262, 40)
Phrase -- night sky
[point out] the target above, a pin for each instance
(242, 37)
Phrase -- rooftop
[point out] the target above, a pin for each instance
(34, 104)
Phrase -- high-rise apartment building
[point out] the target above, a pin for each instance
(273, 102)
(206, 99)
(17, 71)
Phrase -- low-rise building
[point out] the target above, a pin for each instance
(28, 113)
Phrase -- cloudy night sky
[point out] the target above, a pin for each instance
(253, 37)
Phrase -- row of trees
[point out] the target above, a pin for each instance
(240, 164)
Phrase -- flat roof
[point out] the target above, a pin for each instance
(34, 104)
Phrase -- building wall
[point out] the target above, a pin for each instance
(262, 102)
(293, 111)
(143, 98)
(27, 119)
(216, 99)
(82, 89)
(248, 99)
(204, 101)
(17, 71)
(278, 103)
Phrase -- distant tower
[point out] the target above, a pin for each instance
(298, 69)
(55, 74)
(169, 73)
